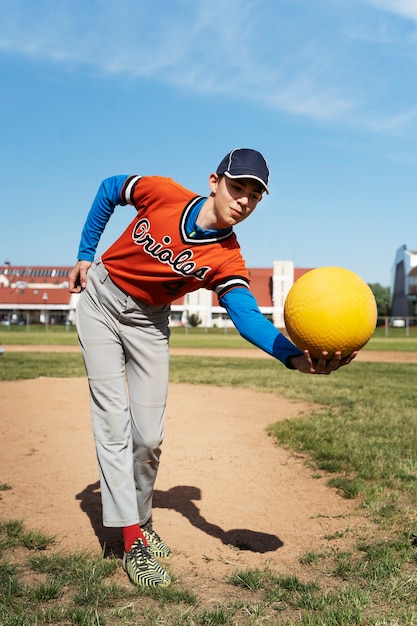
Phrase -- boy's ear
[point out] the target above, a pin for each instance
(213, 182)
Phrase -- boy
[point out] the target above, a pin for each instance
(177, 242)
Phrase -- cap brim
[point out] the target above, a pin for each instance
(251, 176)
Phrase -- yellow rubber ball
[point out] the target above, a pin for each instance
(330, 308)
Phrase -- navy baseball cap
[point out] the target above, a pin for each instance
(245, 163)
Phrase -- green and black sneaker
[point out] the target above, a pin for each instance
(157, 547)
(142, 568)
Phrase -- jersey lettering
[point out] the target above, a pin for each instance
(180, 264)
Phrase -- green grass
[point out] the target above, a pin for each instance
(397, 338)
(364, 428)
(362, 437)
(24, 365)
(38, 334)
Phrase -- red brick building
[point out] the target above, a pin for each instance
(39, 295)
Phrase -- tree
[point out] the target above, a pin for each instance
(383, 299)
(193, 319)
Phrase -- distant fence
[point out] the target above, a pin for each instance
(386, 325)
(397, 325)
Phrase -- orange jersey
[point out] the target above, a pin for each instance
(156, 261)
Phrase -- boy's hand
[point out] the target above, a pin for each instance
(78, 277)
(308, 365)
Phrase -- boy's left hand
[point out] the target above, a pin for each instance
(306, 364)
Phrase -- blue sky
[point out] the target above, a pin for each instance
(326, 89)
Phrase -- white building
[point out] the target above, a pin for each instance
(404, 283)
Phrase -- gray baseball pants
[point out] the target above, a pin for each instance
(124, 344)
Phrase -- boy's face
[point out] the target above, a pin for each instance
(234, 198)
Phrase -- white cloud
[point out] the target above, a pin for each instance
(397, 122)
(404, 8)
(284, 56)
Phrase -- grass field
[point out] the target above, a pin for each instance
(397, 338)
(363, 438)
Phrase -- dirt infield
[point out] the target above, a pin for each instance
(249, 353)
(222, 483)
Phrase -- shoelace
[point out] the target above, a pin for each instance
(139, 549)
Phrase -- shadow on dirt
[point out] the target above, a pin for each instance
(181, 499)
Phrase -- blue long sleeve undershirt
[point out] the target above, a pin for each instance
(244, 312)
(239, 303)
(108, 196)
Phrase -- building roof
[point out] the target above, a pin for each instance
(299, 271)
(47, 285)
(34, 297)
(35, 274)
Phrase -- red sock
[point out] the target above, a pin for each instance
(130, 534)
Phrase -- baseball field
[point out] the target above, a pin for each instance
(229, 500)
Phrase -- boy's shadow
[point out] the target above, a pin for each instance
(180, 499)
(110, 538)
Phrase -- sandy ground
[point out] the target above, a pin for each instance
(249, 353)
(222, 482)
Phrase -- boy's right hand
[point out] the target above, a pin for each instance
(78, 277)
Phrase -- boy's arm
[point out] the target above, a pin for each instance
(107, 197)
(254, 327)
(244, 312)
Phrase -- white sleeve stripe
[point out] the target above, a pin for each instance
(128, 191)
(231, 282)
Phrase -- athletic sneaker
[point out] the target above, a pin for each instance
(157, 547)
(142, 568)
